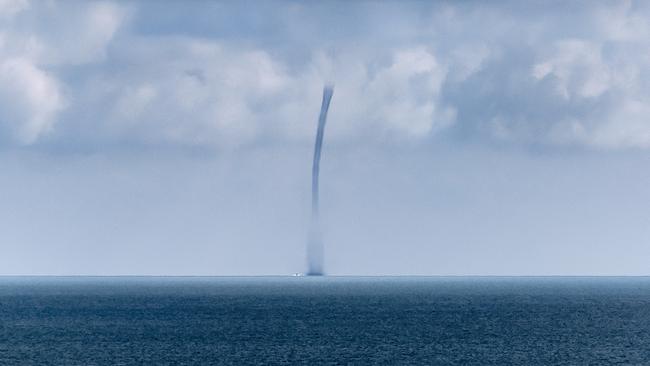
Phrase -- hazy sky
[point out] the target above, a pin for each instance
(495, 138)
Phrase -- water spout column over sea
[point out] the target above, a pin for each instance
(315, 258)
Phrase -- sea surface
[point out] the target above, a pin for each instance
(324, 321)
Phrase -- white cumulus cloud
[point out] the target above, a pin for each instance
(38, 41)
(29, 100)
(230, 76)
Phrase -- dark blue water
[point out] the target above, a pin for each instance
(274, 321)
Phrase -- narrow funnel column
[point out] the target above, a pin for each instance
(315, 244)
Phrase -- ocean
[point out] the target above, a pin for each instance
(324, 321)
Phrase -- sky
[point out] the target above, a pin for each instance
(464, 138)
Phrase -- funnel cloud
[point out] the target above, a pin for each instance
(315, 243)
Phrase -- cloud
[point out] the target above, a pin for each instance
(75, 33)
(38, 41)
(9, 8)
(577, 79)
(558, 75)
(194, 92)
(29, 99)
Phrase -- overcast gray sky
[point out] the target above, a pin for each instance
(169, 137)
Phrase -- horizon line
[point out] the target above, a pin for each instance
(323, 276)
